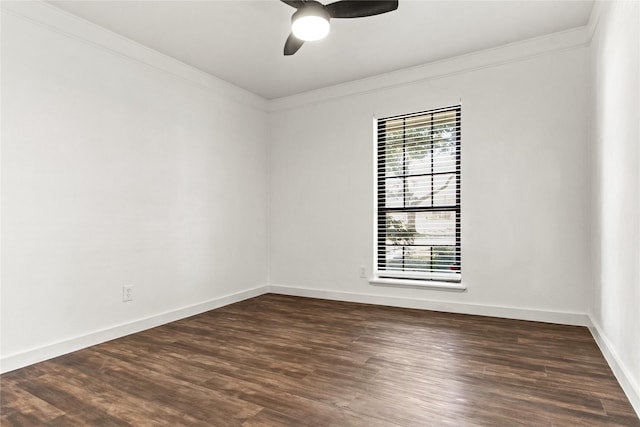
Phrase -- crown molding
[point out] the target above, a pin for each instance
(72, 26)
(594, 18)
(62, 22)
(513, 52)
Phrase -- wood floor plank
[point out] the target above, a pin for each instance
(277, 360)
(18, 402)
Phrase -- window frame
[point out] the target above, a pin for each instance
(431, 279)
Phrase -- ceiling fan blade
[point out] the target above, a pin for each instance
(293, 3)
(359, 9)
(292, 45)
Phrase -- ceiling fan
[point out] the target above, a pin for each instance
(311, 19)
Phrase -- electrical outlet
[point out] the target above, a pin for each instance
(363, 272)
(127, 293)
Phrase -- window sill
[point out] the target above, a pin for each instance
(422, 284)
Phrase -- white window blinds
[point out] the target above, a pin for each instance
(418, 195)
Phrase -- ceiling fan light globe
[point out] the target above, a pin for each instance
(310, 27)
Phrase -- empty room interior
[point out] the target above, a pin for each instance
(301, 213)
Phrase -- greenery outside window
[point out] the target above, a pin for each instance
(418, 196)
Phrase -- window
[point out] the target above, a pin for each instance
(418, 196)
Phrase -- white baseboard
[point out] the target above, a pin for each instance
(564, 318)
(22, 359)
(630, 387)
(49, 351)
(628, 384)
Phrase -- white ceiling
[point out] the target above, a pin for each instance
(242, 41)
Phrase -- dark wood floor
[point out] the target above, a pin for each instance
(285, 361)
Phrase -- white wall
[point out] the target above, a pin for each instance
(616, 137)
(119, 171)
(525, 192)
(121, 166)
